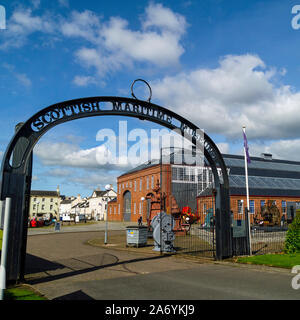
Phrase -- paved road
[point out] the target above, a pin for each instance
(97, 226)
(63, 266)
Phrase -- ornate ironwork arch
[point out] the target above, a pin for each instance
(13, 171)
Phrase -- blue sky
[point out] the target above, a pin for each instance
(220, 64)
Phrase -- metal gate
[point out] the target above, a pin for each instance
(191, 202)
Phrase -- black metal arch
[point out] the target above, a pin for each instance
(15, 164)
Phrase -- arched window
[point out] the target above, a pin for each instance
(127, 206)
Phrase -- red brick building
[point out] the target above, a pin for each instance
(186, 185)
(135, 190)
(269, 180)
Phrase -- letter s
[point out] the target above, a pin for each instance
(295, 284)
(295, 24)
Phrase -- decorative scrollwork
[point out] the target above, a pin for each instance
(147, 84)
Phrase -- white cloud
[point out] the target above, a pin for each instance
(105, 46)
(22, 24)
(71, 155)
(36, 3)
(164, 18)
(23, 78)
(223, 147)
(64, 3)
(280, 149)
(83, 81)
(113, 45)
(240, 91)
(66, 154)
(84, 24)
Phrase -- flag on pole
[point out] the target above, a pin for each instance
(246, 148)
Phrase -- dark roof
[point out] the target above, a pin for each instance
(43, 193)
(66, 202)
(100, 193)
(143, 166)
(266, 176)
(273, 177)
(261, 167)
(177, 157)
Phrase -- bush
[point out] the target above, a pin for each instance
(292, 240)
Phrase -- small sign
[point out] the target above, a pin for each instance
(57, 226)
(238, 228)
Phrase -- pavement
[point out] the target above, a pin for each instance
(65, 266)
(81, 227)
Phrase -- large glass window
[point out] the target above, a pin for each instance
(262, 203)
(251, 206)
(283, 206)
(240, 206)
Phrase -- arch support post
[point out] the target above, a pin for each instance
(223, 224)
(14, 187)
(16, 184)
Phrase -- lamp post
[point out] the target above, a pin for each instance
(143, 199)
(107, 188)
(37, 208)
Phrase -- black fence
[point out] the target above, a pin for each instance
(265, 239)
(197, 241)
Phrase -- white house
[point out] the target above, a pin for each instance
(98, 203)
(93, 207)
(65, 206)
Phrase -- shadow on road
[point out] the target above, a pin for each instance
(36, 264)
(42, 267)
(76, 295)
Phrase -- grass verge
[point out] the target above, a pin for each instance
(272, 260)
(22, 292)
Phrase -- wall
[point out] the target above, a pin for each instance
(234, 204)
(139, 184)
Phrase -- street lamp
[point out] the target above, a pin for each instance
(37, 208)
(143, 199)
(107, 188)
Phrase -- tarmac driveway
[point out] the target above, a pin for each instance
(63, 266)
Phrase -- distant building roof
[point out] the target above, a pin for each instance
(177, 157)
(100, 193)
(66, 202)
(266, 176)
(44, 193)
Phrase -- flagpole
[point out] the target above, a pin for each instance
(247, 191)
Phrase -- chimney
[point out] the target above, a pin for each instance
(267, 156)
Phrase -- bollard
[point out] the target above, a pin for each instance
(4, 248)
